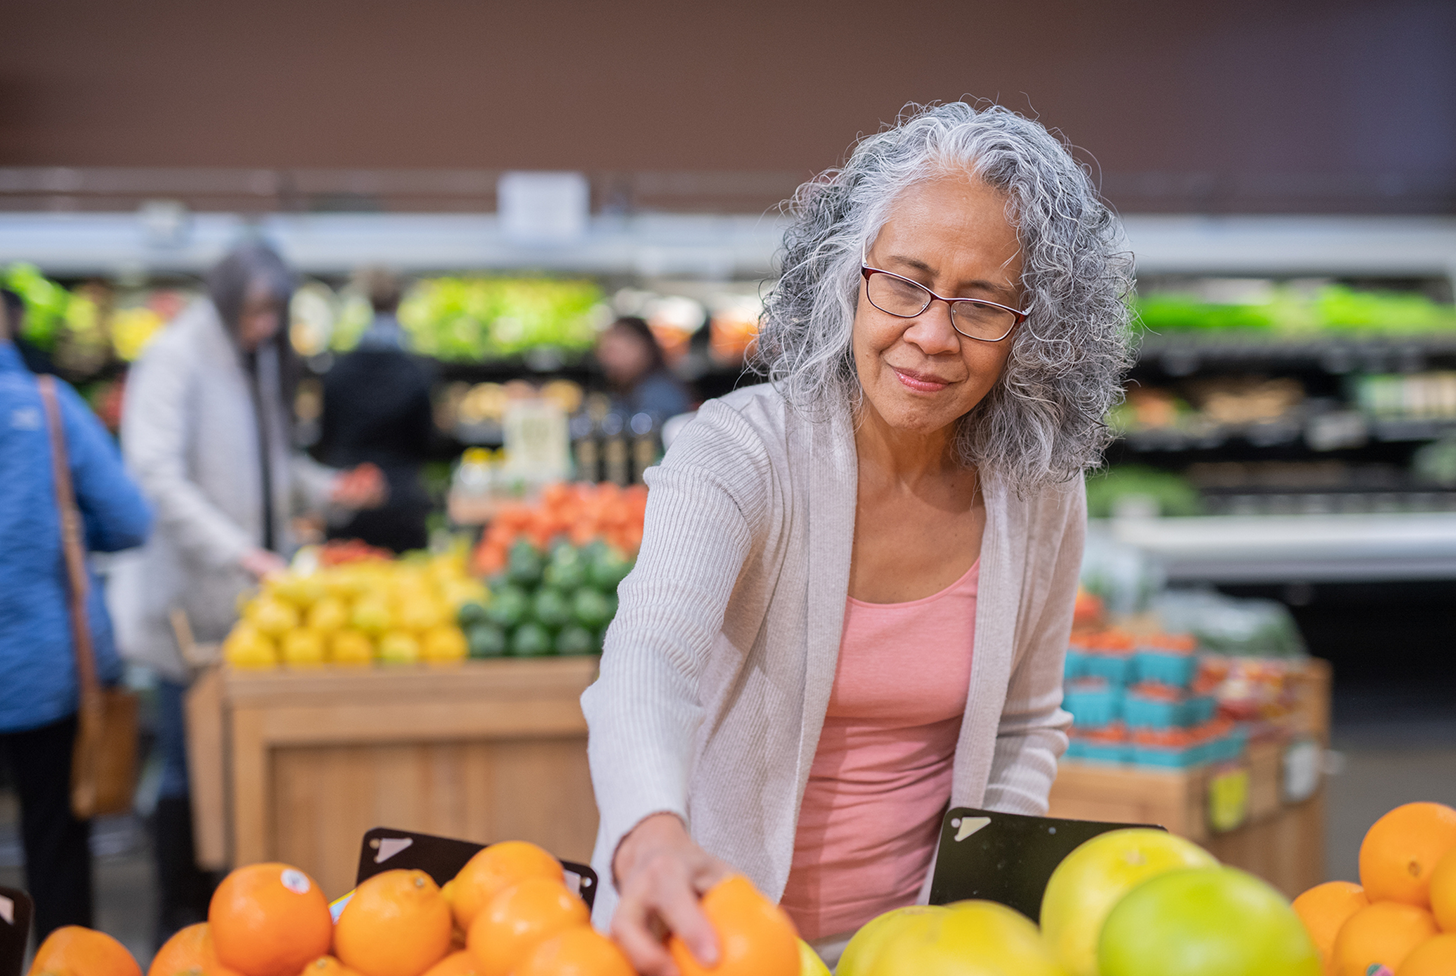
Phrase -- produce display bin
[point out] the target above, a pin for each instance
(295, 765)
(1276, 817)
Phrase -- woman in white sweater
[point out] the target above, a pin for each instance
(856, 580)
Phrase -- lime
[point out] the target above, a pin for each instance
(524, 564)
(471, 613)
(508, 607)
(608, 569)
(486, 640)
(566, 570)
(550, 609)
(575, 639)
(590, 607)
(1205, 922)
(530, 639)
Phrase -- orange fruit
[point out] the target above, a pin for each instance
(1401, 850)
(327, 966)
(187, 950)
(1433, 957)
(72, 950)
(457, 963)
(1324, 908)
(268, 920)
(580, 951)
(1381, 934)
(1443, 892)
(495, 869)
(397, 924)
(517, 920)
(755, 937)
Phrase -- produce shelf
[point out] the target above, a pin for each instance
(1295, 548)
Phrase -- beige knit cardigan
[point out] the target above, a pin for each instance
(718, 667)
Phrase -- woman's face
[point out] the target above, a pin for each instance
(951, 235)
(625, 358)
(260, 318)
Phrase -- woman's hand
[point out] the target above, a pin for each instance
(259, 563)
(660, 874)
(360, 487)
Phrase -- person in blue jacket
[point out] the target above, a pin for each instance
(38, 689)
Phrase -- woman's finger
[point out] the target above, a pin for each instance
(644, 950)
(679, 908)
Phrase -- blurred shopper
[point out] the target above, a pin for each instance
(38, 686)
(206, 428)
(377, 411)
(640, 379)
(36, 359)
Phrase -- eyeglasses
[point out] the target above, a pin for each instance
(973, 318)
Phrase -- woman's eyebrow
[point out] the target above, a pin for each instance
(1003, 290)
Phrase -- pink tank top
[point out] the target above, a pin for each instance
(882, 773)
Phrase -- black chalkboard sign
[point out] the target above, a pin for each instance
(1005, 857)
(385, 849)
(16, 909)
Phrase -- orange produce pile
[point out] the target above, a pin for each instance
(508, 912)
(578, 511)
(1392, 923)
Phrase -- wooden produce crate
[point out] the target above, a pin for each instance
(295, 765)
(1281, 842)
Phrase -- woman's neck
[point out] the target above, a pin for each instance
(901, 455)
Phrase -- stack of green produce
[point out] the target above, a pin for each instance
(470, 319)
(558, 602)
(1333, 308)
(1171, 493)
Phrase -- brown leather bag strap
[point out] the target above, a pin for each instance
(71, 544)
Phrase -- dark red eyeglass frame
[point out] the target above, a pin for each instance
(868, 272)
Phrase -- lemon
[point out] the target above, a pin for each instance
(299, 590)
(458, 592)
(419, 612)
(443, 644)
(328, 615)
(399, 647)
(272, 616)
(350, 647)
(245, 647)
(303, 649)
(371, 615)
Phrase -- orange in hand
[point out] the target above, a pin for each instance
(1324, 908)
(1381, 934)
(397, 924)
(1433, 957)
(1443, 892)
(517, 920)
(268, 920)
(189, 950)
(75, 949)
(495, 869)
(580, 951)
(1400, 852)
(755, 937)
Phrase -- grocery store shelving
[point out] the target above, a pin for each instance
(162, 239)
(1304, 548)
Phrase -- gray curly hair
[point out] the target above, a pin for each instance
(1043, 421)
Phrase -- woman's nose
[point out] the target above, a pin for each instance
(932, 330)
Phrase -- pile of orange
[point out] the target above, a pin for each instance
(579, 511)
(1402, 915)
(509, 912)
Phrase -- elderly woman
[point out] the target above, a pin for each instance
(856, 581)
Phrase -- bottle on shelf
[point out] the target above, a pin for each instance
(646, 444)
(616, 455)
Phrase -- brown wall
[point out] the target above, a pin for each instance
(1183, 105)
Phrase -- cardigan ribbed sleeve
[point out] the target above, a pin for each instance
(1032, 732)
(707, 500)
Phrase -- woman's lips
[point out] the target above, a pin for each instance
(920, 382)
